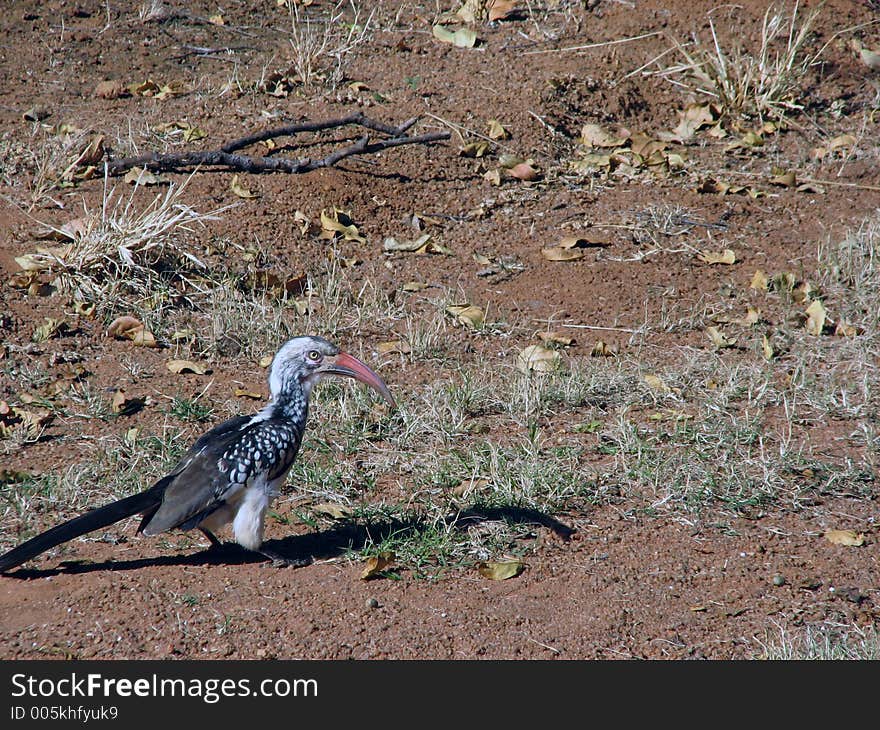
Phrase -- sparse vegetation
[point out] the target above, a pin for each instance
(725, 403)
(760, 81)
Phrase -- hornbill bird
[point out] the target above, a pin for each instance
(232, 472)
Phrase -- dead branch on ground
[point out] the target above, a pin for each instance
(228, 158)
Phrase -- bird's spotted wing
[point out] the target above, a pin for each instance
(223, 461)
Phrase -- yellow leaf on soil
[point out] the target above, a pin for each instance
(841, 141)
(718, 338)
(474, 149)
(239, 190)
(244, 393)
(556, 338)
(120, 403)
(559, 253)
(816, 316)
(332, 509)
(400, 347)
(593, 135)
(376, 565)
(603, 349)
(785, 179)
(493, 177)
(49, 329)
(844, 329)
(414, 286)
(501, 571)
(654, 382)
(467, 314)
(759, 281)
(496, 131)
(766, 348)
(727, 256)
(753, 316)
(461, 38)
(845, 537)
(339, 221)
(537, 358)
(584, 240)
(186, 366)
(142, 176)
(423, 244)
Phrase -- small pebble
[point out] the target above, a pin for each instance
(779, 580)
(372, 603)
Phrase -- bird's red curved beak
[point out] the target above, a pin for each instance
(350, 367)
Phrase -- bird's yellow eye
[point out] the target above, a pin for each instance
(314, 355)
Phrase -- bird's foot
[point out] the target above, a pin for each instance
(282, 561)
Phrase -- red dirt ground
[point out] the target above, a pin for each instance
(628, 583)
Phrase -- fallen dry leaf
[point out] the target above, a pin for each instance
(559, 253)
(753, 316)
(537, 358)
(131, 328)
(460, 38)
(474, 149)
(493, 176)
(870, 58)
(500, 9)
(332, 509)
(376, 564)
(142, 176)
(849, 538)
(238, 189)
(525, 171)
(501, 570)
(121, 404)
(766, 348)
(844, 329)
(603, 349)
(400, 347)
(244, 393)
(718, 338)
(655, 382)
(555, 338)
(186, 366)
(424, 244)
(727, 256)
(110, 89)
(467, 314)
(496, 130)
(583, 240)
(339, 222)
(593, 135)
(49, 329)
(759, 281)
(785, 180)
(414, 286)
(816, 316)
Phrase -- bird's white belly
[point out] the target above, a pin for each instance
(246, 510)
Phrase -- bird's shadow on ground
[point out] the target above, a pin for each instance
(345, 537)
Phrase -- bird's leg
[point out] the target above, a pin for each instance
(281, 561)
(212, 538)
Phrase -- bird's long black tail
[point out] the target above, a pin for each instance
(96, 519)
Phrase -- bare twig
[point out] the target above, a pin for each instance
(590, 46)
(226, 158)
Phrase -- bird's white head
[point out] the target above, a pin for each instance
(303, 361)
